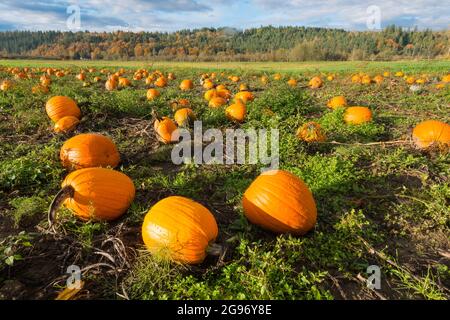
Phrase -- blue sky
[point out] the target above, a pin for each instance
(170, 15)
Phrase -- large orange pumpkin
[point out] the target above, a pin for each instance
(94, 193)
(432, 133)
(357, 115)
(152, 94)
(89, 150)
(61, 106)
(179, 228)
(186, 85)
(161, 82)
(244, 96)
(337, 102)
(66, 124)
(315, 83)
(217, 102)
(184, 116)
(281, 202)
(166, 130)
(236, 112)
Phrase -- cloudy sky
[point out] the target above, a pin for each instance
(169, 15)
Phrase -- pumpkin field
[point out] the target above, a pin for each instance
(87, 181)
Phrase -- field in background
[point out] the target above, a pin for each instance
(384, 205)
(285, 67)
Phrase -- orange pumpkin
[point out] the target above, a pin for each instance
(243, 87)
(60, 106)
(179, 228)
(366, 79)
(210, 94)
(217, 102)
(311, 132)
(356, 78)
(432, 133)
(264, 80)
(186, 85)
(66, 124)
(357, 115)
(124, 82)
(111, 84)
(315, 83)
(184, 117)
(337, 102)
(236, 112)
(292, 82)
(152, 94)
(94, 193)
(161, 82)
(6, 85)
(281, 202)
(38, 89)
(277, 76)
(446, 78)
(244, 96)
(378, 79)
(166, 130)
(89, 150)
(171, 76)
(81, 76)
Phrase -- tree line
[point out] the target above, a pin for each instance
(226, 44)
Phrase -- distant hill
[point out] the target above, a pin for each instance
(225, 44)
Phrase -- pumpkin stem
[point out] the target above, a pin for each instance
(155, 115)
(214, 249)
(61, 196)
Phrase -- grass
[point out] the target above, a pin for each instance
(382, 205)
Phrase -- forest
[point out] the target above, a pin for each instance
(267, 43)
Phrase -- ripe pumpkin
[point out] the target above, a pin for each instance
(410, 80)
(281, 202)
(179, 228)
(66, 124)
(37, 89)
(210, 94)
(161, 82)
(244, 96)
(378, 79)
(186, 85)
(224, 93)
(264, 80)
(399, 74)
(446, 78)
(166, 130)
(217, 102)
(311, 132)
(337, 102)
(152, 94)
(236, 112)
(235, 79)
(386, 74)
(111, 84)
(45, 80)
(94, 193)
(277, 76)
(171, 76)
(315, 83)
(60, 106)
(292, 82)
(243, 87)
(357, 115)
(366, 79)
(6, 85)
(89, 150)
(81, 76)
(184, 117)
(356, 78)
(124, 82)
(432, 132)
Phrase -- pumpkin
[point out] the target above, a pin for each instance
(315, 83)
(337, 102)
(446, 78)
(152, 94)
(356, 78)
(45, 80)
(89, 150)
(210, 94)
(330, 77)
(166, 130)
(366, 79)
(431, 133)
(38, 89)
(224, 93)
(66, 124)
(357, 115)
(171, 76)
(311, 132)
(60, 106)
(111, 84)
(386, 74)
(178, 104)
(94, 193)
(161, 82)
(277, 76)
(236, 112)
(97, 79)
(184, 117)
(124, 82)
(378, 79)
(281, 202)
(235, 79)
(6, 85)
(421, 81)
(221, 87)
(179, 228)
(217, 102)
(440, 86)
(81, 76)
(264, 80)
(208, 85)
(410, 80)
(186, 85)
(399, 74)
(244, 96)
(292, 82)
(243, 87)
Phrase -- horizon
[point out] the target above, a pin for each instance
(176, 15)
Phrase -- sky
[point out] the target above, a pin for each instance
(172, 15)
